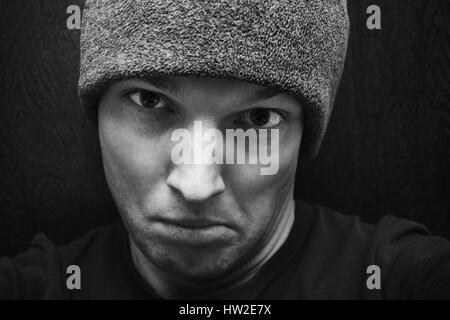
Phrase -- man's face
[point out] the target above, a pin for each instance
(196, 221)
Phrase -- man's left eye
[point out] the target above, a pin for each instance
(265, 118)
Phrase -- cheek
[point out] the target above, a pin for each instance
(133, 163)
(261, 195)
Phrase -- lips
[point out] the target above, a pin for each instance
(192, 232)
(192, 223)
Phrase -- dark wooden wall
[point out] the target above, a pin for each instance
(387, 149)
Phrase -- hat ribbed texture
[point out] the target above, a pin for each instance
(296, 45)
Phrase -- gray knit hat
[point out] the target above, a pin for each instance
(295, 45)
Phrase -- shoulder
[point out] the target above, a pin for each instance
(40, 271)
(98, 242)
(389, 233)
(405, 251)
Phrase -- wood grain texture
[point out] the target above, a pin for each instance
(387, 150)
(387, 147)
(49, 157)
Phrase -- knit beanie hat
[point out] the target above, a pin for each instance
(295, 45)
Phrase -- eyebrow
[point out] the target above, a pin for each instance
(256, 96)
(262, 94)
(164, 83)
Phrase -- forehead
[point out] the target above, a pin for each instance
(212, 86)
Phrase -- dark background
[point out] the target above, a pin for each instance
(387, 150)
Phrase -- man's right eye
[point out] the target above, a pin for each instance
(147, 99)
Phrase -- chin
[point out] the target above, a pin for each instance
(192, 264)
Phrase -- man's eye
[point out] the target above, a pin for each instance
(263, 117)
(147, 99)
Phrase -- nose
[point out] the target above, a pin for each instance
(198, 180)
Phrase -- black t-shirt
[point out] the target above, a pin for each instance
(326, 256)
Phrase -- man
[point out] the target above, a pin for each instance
(203, 109)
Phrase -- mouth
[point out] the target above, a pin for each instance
(192, 232)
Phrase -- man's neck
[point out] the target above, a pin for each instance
(168, 287)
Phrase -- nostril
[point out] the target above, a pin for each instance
(196, 182)
(199, 192)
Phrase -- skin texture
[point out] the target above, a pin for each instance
(149, 188)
